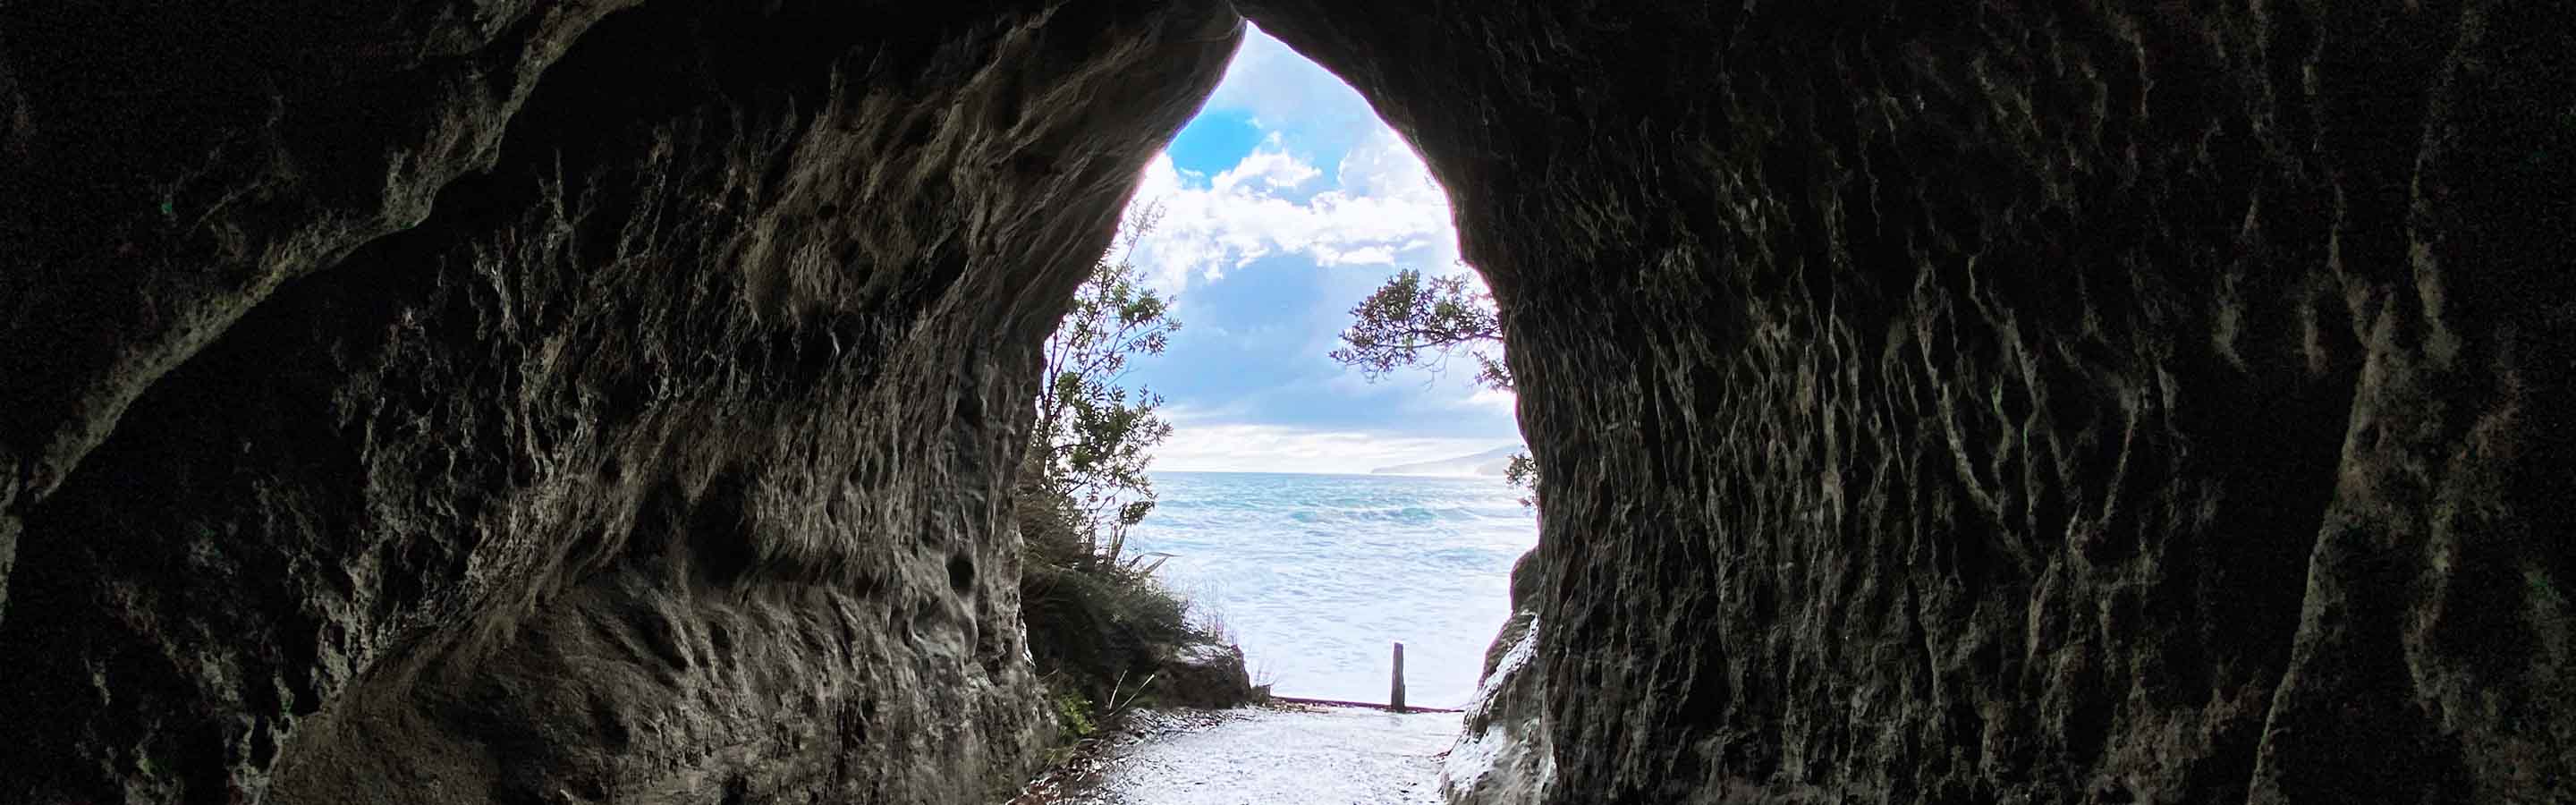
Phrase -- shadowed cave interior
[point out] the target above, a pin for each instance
(1945, 402)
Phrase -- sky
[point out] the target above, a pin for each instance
(1282, 205)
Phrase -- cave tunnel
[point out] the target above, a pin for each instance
(1940, 402)
(1336, 472)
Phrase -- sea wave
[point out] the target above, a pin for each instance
(1316, 574)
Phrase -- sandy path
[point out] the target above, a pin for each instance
(1315, 756)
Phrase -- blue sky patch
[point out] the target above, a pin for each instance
(1214, 141)
(1282, 205)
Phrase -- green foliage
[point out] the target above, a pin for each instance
(1413, 321)
(1095, 435)
(1089, 621)
(1097, 619)
(1523, 473)
(1074, 712)
(1100, 617)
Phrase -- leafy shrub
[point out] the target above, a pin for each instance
(1093, 622)
(1074, 712)
(1098, 623)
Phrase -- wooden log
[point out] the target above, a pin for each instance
(1368, 705)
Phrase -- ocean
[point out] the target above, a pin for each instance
(1316, 575)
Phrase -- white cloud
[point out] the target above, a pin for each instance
(1491, 399)
(1270, 165)
(1369, 255)
(1246, 447)
(1368, 208)
(1386, 208)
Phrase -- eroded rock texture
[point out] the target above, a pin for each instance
(1939, 402)
(464, 402)
(1975, 402)
(1504, 753)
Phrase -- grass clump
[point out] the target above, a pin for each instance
(1098, 625)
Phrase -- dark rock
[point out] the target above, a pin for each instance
(2017, 402)
(1505, 754)
(1937, 402)
(1525, 600)
(462, 402)
(1203, 674)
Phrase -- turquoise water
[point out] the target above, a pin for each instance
(1317, 574)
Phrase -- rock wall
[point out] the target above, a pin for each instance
(2020, 402)
(465, 402)
(1938, 402)
(1504, 755)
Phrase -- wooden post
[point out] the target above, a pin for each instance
(1395, 696)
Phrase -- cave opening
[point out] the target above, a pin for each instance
(615, 402)
(1330, 370)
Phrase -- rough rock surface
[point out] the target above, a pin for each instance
(1203, 674)
(464, 402)
(1991, 401)
(1504, 754)
(1938, 401)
